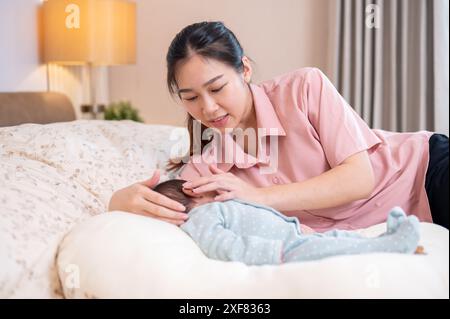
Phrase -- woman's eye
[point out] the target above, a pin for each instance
(217, 90)
(214, 91)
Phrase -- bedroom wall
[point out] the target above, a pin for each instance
(20, 69)
(278, 35)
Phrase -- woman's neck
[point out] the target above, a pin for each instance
(249, 121)
(249, 116)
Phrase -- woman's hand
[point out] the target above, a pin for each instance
(140, 199)
(227, 185)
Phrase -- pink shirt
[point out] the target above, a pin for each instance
(317, 130)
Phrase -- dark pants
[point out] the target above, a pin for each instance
(436, 182)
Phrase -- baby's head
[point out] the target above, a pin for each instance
(173, 189)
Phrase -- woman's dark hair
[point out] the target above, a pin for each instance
(210, 40)
(173, 189)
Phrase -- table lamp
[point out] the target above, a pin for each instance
(90, 33)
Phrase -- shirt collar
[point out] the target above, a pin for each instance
(266, 117)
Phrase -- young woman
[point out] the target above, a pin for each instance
(330, 170)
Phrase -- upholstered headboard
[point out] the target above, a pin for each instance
(35, 107)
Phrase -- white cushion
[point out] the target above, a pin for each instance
(121, 255)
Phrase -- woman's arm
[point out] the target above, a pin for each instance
(350, 181)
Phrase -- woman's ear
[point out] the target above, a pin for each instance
(247, 72)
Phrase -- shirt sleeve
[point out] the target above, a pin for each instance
(218, 242)
(342, 132)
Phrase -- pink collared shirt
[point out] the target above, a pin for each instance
(317, 130)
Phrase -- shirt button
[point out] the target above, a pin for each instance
(276, 180)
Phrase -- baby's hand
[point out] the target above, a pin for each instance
(306, 230)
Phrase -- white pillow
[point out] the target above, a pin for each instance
(121, 255)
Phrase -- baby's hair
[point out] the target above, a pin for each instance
(173, 189)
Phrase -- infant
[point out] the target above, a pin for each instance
(237, 230)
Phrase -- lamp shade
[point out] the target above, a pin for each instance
(101, 32)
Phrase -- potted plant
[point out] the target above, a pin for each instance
(122, 110)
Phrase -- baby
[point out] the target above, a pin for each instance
(236, 230)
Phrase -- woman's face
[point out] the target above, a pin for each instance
(215, 94)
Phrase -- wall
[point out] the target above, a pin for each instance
(19, 59)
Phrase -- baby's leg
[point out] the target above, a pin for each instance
(403, 240)
(395, 218)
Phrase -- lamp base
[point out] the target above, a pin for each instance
(92, 112)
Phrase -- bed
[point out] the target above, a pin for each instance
(56, 241)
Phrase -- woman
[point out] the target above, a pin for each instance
(328, 168)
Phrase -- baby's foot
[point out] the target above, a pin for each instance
(395, 218)
(406, 238)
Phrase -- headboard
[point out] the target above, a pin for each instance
(35, 107)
